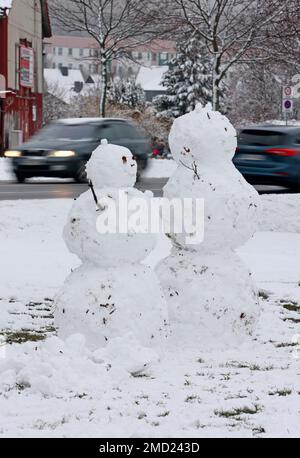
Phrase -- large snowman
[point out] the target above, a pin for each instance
(210, 292)
(111, 294)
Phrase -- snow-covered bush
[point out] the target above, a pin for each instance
(126, 92)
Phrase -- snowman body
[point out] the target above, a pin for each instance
(111, 294)
(206, 284)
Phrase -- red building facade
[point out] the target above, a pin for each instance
(23, 25)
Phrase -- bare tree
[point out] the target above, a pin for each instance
(117, 26)
(232, 30)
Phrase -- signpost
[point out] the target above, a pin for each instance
(287, 101)
(26, 67)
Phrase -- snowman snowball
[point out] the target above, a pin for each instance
(111, 294)
(208, 288)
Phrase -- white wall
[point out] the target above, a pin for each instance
(25, 22)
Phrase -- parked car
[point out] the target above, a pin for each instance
(270, 155)
(63, 147)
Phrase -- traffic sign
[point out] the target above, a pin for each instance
(287, 92)
(287, 99)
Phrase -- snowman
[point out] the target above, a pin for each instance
(111, 295)
(209, 291)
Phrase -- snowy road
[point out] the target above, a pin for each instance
(68, 190)
(63, 190)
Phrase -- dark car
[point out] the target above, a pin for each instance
(270, 155)
(63, 147)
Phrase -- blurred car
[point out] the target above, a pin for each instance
(63, 147)
(270, 155)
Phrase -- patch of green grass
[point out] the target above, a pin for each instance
(290, 306)
(263, 295)
(251, 366)
(287, 345)
(164, 414)
(292, 320)
(259, 430)
(23, 337)
(237, 412)
(282, 393)
(192, 398)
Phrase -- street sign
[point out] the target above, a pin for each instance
(287, 99)
(287, 92)
(288, 105)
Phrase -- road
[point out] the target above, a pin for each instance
(63, 190)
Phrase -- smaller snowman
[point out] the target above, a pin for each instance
(111, 295)
(210, 292)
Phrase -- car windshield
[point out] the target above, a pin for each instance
(76, 132)
(261, 138)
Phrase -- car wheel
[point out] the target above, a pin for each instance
(81, 176)
(20, 178)
(295, 187)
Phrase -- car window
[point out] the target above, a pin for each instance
(261, 138)
(126, 131)
(76, 132)
(108, 132)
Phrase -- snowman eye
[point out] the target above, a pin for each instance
(124, 159)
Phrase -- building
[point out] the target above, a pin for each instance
(23, 26)
(82, 53)
(75, 53)
(150, 79)
(63, 83)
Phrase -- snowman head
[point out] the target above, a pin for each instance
(204, 136)
(111, 166)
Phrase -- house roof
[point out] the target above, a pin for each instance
(62, 86)
(68, 41)
(150, 78)
(73, 41)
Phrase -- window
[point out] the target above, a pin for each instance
(108, 132)
(81, 52)
(70, 66)
(54, 65)
(60, 51)
(54, 51)
(68, 132)
(140, 56)
(60, 65)
(154, 56)
(70, 51)
(126, 131)
(261, 138)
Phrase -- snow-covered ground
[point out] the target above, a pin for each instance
(54, 388)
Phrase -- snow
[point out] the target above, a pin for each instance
(111, 295)
(5, 170)
(5, 3)
(210, 294)
(62, 389)
(150, 78)
(62, 86)
(160, 168)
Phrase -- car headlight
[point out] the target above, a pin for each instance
(62, 153)
(13, 153)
